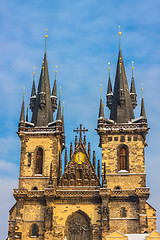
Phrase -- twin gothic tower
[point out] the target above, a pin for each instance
(81, 203)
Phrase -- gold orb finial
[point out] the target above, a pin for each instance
(132, 64)
(56, 68)
(34, 70)
(108, 65)
(46, 33)
(119, 30)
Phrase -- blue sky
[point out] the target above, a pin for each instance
(82, 39)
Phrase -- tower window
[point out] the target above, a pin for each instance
(39, 161)
(123, 158)
(29, 159)
(34, 230)
(123, 212)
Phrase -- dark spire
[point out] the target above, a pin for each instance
(133, 94)
(65, 158)
(109, 90)
(27, 115)
(33, 93)
(143, 112)
(54, 94)
(98, 169)
(71, 150)
(59, 108)
(121, 109)
(63, 119)
(101, 109)
(22, 115)
(94, 160)
(42, 112)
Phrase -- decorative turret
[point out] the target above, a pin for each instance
(42, 93)
(54, 94)
(33, 93)
(58, 122)
(101, 118)
(109, 90)
(133, 94)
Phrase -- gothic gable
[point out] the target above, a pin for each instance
(79, 171)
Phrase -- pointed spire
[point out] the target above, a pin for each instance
(65, 158)
(89, 150)
(33, 93)
(122, 108)
(101, 109)
(71, 150)
(22, 115)
(109, 89)
(98, 169)
(63, 118)
(133, 94)
(59, 107)
(94, 159)
(27, 113)
(132, 89)
(54, 91)
(143, 112)
(42, 111)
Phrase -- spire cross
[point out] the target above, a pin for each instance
(80, 130)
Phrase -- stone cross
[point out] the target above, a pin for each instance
(80, 130)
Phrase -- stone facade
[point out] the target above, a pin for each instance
(78, 204)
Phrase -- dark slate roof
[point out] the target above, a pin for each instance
(143, 112)
(59, 111)
(132, 89)
(101, 109)
(22, 115)
(121, 112)
(43, 115)
(109, 89)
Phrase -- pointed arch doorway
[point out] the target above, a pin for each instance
(78, 227)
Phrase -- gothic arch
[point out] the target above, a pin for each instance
(78, 226)
(39, 160)
(123, 157)
(34, 230)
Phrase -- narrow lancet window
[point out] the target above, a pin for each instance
(39, 161)
(123, 157)
(34, 230)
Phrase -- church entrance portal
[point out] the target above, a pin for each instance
(78, 227)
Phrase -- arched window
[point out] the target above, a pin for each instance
(29, 159)
(39, 161)
(123, 158)
(34, 230)
(123, 212)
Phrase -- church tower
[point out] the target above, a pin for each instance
(123, 140)
(79, 203)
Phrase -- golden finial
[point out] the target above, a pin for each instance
(27, 104)
(132, 68)
(119, 30)
(108, 65)
(23, 93)
(59, 93)
(46, 33)
(34, 70)
(56, 68)
(63, 104)
(59, 89)
(43, 67)
(140, 101)
(142, 89)
(101, 90)
(119, 38)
